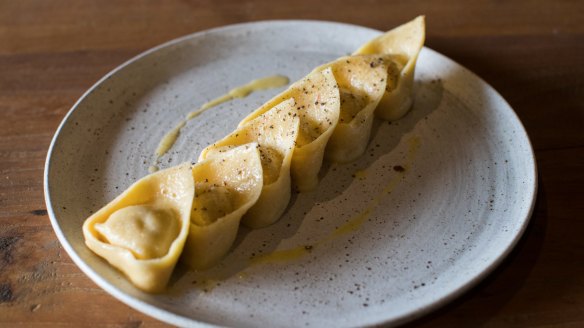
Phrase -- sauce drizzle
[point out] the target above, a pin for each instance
(284, 255)
(353, 224)
(243, 91)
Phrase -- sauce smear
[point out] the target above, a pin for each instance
(243, 91)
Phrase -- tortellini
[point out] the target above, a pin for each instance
(362, 82)
(275, 132)
(226, 186)
(317, 106)
(142, 232)
(194, 212)
(403, 43)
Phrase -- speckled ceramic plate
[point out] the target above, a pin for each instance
(434, 205)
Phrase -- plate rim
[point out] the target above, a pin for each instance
(176, 319)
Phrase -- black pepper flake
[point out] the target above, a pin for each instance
(399, 168)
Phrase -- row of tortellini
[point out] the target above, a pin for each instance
(193, 212)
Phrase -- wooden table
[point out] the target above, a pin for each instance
(532, 52)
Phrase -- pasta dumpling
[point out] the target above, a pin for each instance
(317, 106)
(362, 81)
(226, 186)
(403, 43)
(142, 232)
(193, 212)
(275, 132)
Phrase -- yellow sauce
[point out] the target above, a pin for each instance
(361, 174)
(355, 223)
(169, 139)
(352, 225)
(242, 275)
(413, 146)
(207, 283)
(153, 168)
(292, 254)
(285, 255)
(243, 91)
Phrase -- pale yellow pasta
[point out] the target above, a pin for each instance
(226, 186)
(403, 43)
(247, 176)
(275, 132)
(317, 106)
(142, 232)
(362, 81)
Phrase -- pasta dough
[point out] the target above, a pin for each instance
(317, 105)
(246, 176)
(226, 186)
(275, 132)
(403, 43)
(362, 81)
(142, 232)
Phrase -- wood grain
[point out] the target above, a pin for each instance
(530, 51)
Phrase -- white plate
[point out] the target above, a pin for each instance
(461, 205)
